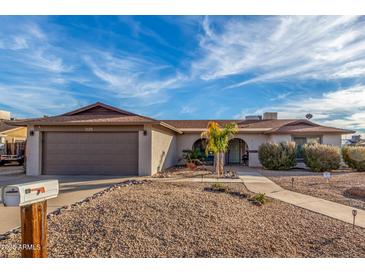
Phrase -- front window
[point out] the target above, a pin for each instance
(313, 140)
(300, 141)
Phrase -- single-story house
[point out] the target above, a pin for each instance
(101, 139)
(10, 135)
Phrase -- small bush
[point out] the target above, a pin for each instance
(193, 156)
(277, 156)
(320, 158)
(259, 199)
(219, 187)
(354, 157)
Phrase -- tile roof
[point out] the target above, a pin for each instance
(311, 129)
(95, 114)
(101, 114)
(183, 124)
(87, 119)
(279, 126)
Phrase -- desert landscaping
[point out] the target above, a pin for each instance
(345, 187)
(183, 219)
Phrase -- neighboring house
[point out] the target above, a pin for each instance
(101, 139)
(10, 135)
(355, 141)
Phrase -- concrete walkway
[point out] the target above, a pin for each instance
(257, 183)
(72, 189)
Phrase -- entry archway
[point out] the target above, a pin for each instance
(200, 145)
(237, 153)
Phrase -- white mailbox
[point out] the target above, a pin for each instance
(29, 193)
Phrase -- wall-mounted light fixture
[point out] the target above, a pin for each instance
(31, 133)
(145, 132)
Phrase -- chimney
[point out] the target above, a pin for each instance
(355, 138)
(4, 115)
(270, 116)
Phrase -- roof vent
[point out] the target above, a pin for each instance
(253, 117)
(270, 116)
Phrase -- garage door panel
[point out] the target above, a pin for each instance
(101, 153)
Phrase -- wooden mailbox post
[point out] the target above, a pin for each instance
(32, 199)
(34, 230)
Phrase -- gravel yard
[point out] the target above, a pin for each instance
(158, 219)
(314, 184)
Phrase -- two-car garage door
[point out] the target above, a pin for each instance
(90, 153)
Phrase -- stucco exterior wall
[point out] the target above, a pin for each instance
(332, 139)
(279, 138)
(159, 149)
(253, 142)
(185, 141)
(144, 152)
(163, 150)
(33, 152)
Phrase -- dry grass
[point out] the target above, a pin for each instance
(181, 220)
(314, 184)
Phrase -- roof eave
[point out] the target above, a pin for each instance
(170, 127)
(240, 130)
(87, 123)
(313, 132)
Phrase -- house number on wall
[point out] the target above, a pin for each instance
(89, 129)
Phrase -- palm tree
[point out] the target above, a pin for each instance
(217, 142)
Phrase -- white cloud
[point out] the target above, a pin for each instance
(344, 108)
(48, 61)
(36, 100)
(30, 46)
(187, 110)
(280, 47)
(280, 96)
(131, 76)
(16, 42)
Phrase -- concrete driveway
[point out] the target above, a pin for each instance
(72, 190)
(11, 169)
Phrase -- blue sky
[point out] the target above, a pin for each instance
(193, 67)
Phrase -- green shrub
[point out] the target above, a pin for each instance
(193, 156)
(259, 199)
(219, 187)
(277, 156)
(354, 157)
(321, 158)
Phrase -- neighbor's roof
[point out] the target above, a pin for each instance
(101, 114)
(4, 126)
